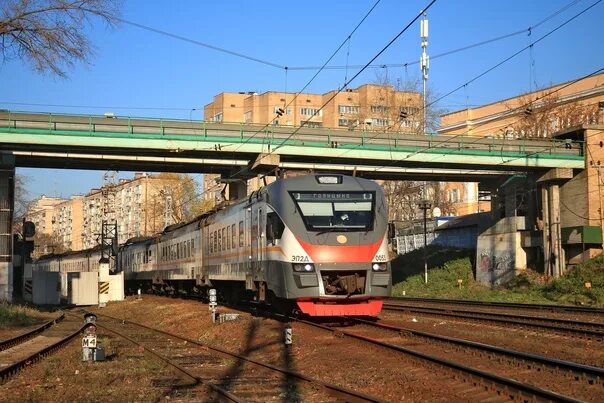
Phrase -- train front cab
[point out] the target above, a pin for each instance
(335, 247)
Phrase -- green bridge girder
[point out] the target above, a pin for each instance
(236, 144)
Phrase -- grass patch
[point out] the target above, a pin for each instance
(14, 315)
(527, 288)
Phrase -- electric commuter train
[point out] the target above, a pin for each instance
(317, 244)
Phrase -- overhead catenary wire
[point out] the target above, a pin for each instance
(199, 43)
(449, 52)
(288, 68)
(334, 53)
(358, 73)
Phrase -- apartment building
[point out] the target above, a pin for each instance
(141, 206)
(379, 107)
(40, 212)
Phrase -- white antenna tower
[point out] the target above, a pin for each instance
(424, 63)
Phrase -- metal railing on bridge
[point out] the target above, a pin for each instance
(109, 126)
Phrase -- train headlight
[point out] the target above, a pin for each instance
(304, 267)
(379, 267)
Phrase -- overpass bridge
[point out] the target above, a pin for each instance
(48, 140)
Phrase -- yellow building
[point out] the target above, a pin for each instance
(536, 114)
(378, 107)
(40, 212)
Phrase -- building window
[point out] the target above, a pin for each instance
(311, 112)
(343, 122)
(247, 117)
(217, 117)
(380, 109)
(380, 122)
(348, 109)
(453, 195)
(308, 123)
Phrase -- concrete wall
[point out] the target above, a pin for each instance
(6, 217)
(499, 253)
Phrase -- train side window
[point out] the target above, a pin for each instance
(192, 247)
(240, 233)
(223, 237)
(211, 242)
(228, 238)
(233, 236)
(274, 227)
(215, 242)
(219, 242)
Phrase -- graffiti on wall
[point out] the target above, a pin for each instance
(495, 267)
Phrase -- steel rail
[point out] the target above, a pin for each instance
(514, 305)
(338, 391)
(6, 344)
(506, 385)
(12, 369)
(195, 380)
(574, 327)
(588, 373)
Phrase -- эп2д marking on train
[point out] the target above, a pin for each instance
(315, 243)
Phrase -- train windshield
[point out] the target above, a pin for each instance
(337, 211)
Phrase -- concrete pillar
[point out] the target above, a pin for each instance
(559, 265)
(237, 189)
(510, 201)
(547, 253)
(7, 189)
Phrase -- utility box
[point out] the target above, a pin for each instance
(83, 288)
(45, 288)
(116, 287)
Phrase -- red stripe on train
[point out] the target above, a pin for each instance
(365, 308)
(341, 253)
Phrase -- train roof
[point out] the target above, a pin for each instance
(69, 253)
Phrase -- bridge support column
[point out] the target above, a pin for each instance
(558, 263)
(547, 253)
(237, 189)
(7, 192)
(553, 254)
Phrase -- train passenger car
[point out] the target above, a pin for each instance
(319, 242)
(137, 259)
(169, 263)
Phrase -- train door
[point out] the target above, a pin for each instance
(261, 236)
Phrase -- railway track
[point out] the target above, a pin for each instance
(567, 377)
(485, 383)
(28, 348)
(502, 305)
(223, 374)
(575, 328)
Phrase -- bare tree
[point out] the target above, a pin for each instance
(50, 34)
(21, 199)
(187, 201)
(543, 114)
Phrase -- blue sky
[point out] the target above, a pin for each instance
(134, 69)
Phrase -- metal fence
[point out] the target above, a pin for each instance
(462, 238)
